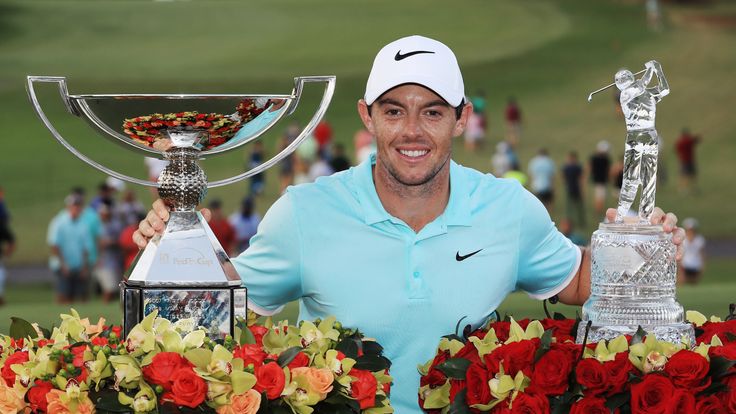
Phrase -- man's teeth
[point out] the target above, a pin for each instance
(414, 153)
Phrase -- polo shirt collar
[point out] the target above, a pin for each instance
(457, 212)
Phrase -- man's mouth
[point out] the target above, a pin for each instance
(413, 153)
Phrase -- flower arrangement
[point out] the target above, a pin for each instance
(161, 367)
(147, 129)
(536, 367)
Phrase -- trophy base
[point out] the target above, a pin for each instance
(674, 333)
(214, 309)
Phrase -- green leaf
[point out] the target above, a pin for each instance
(719, 366)
(544, 345)
(617, 400)
(287, 356)
(246, 336)
(21, 328)
(460, 404)
(730, 337)
(372, 363)
(372, 348)
(454, 368)
(349, 347)
(106, 400)
(558, 316)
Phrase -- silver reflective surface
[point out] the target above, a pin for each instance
(633, 276)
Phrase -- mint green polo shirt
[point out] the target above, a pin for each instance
(331, 245)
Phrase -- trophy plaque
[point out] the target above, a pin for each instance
(184, 273)
(633, 270)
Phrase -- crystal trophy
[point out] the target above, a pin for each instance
(633, 269)
(184, 273)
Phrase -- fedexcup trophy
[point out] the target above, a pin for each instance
(185, 274)
(633, 262)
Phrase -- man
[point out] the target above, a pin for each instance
(572, 172)
(71, 244)
(639, 105)
(600, 169)
(685, 147)
(542, 174)
(407, 243)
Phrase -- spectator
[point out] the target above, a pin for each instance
(475, 129)
(693, 252)
(685, 147)
(572, 173)
(105, 195)
(7, 243)
(600, 167)
(513, 122)
(155, 167)
(71, 245)
(245, 222)
(129, 209)
(286, 166)
(501, 161)
(617, 176)
(257, 157)
(108, 269)
(516, 174)
(221, 227)
(339, 161)
(319, 168)
(542, 173)
(128, 248)
(568, 229)
(91, 221)
(365, 145)
(323, 136)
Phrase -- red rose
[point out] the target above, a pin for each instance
(477, 378)
(551, 373)
(99, 340)
(469, 352)
(592, 375)
(515, 357)
(6, 372)
(363, 388)
(435, 377)
(270, 378)
(162, 368)
(728, 398)
(618, 373)
(258, 332)
(716, 328)
(300, 360)
(710, 405)
(651, 395)
(687, 370)
(681, 402)
(502, 328)
(561, 328)
(37, 395)
(530, 403)
(727, 351)
(43, 342)
(455, 387)
(187, 389)
(590, 405)
(250, 354)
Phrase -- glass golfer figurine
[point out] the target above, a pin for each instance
(639, 105)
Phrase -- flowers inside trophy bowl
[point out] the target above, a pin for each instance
(149, 130)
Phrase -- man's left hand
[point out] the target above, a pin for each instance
(668, 222)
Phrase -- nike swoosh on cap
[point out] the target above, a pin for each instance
(399, 56)
(460, 258)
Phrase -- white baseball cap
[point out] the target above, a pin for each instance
(420, 60)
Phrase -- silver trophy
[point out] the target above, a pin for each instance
(633, 262)
(185, 273)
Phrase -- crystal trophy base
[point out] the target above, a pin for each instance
(187, 276)
(633, 276)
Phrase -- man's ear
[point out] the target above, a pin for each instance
(463, 120)
(365, 116)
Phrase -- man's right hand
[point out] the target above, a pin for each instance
(155, 223)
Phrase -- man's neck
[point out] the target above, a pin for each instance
(418, 205)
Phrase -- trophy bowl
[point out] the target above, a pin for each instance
(184, 273)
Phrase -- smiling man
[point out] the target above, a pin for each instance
(409, 242)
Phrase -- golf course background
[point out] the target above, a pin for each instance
(548, 54)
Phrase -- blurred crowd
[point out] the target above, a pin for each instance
(91, 239)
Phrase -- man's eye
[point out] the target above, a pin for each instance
(393, 112)
(434, 113)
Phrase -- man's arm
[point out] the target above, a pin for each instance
(578, 291)
(663, 88)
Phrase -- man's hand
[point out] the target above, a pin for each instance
(155, 222)
(668, 222)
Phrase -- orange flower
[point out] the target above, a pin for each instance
(248, 403)
(11, 398)
(319, 379)
(60, 403)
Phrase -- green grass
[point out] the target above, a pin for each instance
(35, 303)
(549, 54)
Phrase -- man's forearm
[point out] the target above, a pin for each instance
(578, 291)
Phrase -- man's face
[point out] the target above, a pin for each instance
(75, 210)
(414, 128)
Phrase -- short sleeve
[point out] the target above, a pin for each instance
(270, 268)
(548, 260)
(52, 234)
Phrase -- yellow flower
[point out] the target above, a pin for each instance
(247, 403)
(90, 329)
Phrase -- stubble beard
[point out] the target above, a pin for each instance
(423, 186)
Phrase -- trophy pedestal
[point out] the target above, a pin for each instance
(633, 276)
